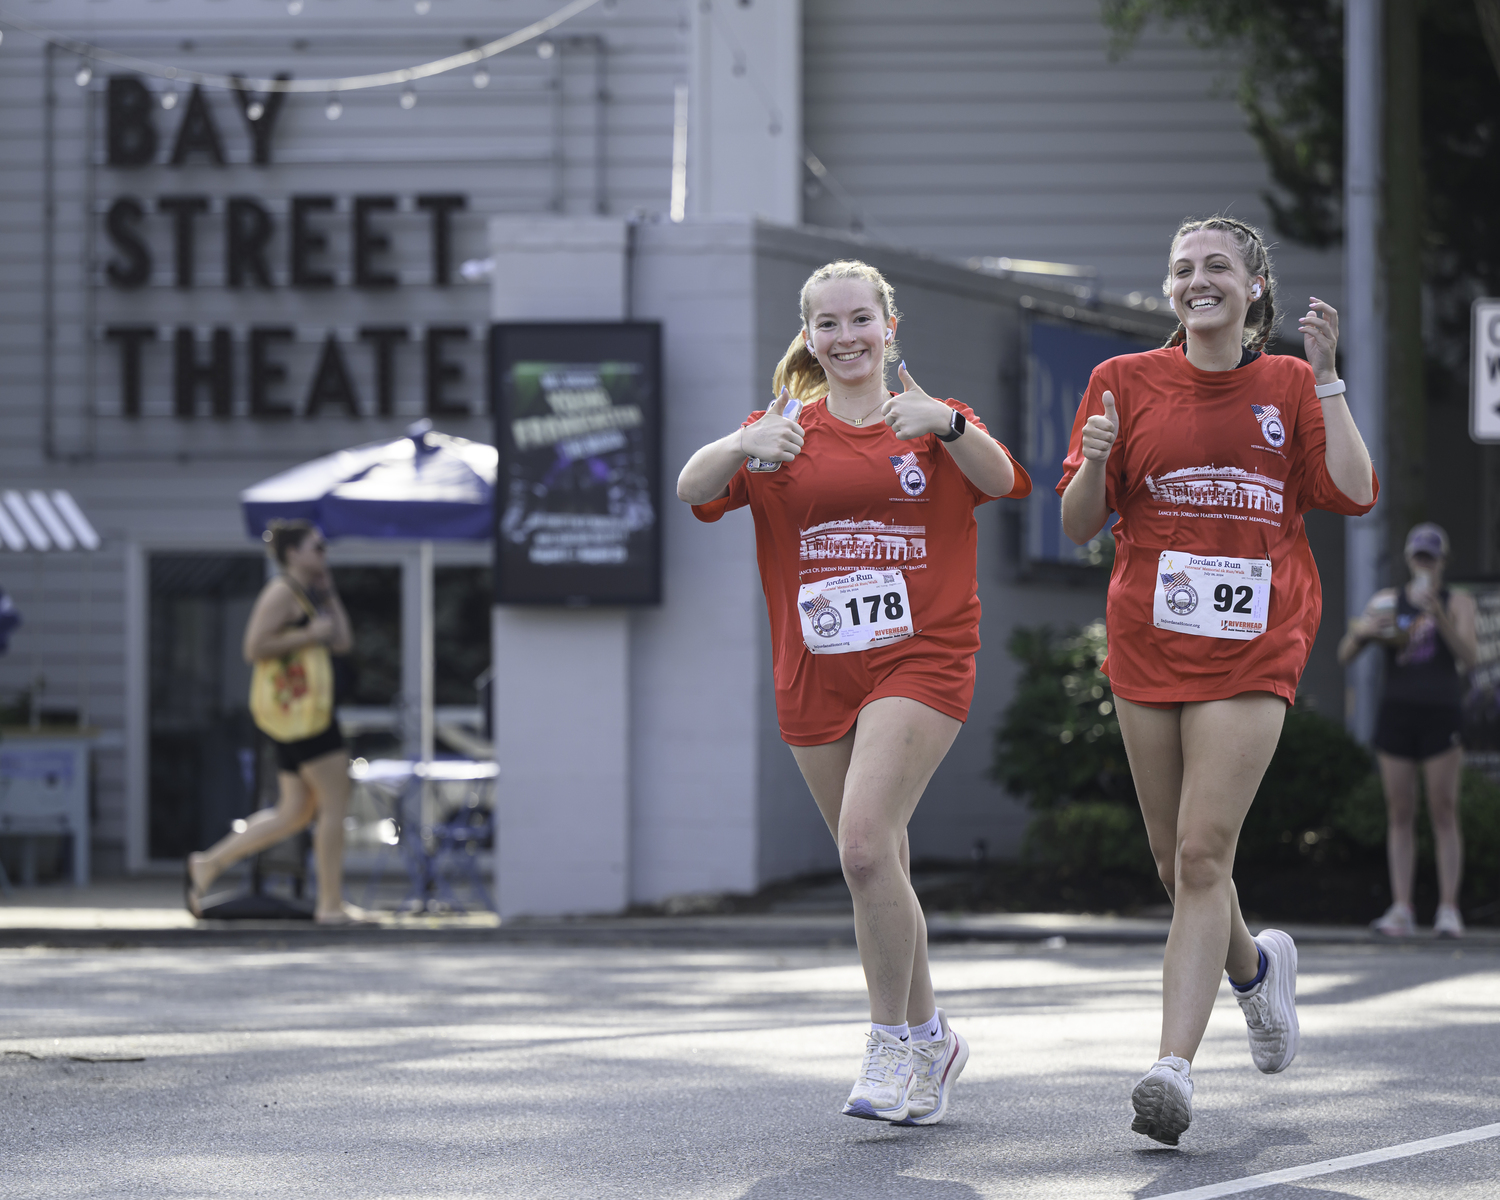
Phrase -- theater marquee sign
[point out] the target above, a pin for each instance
(250, 265)
(329, 240)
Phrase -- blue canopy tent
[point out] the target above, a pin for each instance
(423, 487)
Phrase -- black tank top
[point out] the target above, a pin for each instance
(1423, 671)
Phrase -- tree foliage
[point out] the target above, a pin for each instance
(1290, 86)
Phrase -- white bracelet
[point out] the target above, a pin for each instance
(1324, 390)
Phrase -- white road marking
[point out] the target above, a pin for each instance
(1329, 1166)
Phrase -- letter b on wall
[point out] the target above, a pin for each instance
(131, 136)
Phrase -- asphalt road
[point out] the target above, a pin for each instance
(531, 1071)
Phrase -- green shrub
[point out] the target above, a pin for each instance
(1315, 767)
(1093, 836)
(1059, 739)
(1479, 817)
(1059, 746)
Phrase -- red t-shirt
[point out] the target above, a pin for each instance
(861, 497)
(1213, 462)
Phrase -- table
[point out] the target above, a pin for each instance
(44, 791)
(427, 847)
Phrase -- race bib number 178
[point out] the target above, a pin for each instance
(855, 611)
(1211, 595)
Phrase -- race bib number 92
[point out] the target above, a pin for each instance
(855, 611)
(1211, 595)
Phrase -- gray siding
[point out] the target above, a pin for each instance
(157, 480)
(1001, 127)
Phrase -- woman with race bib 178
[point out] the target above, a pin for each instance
(1210, 450)
(863, 504)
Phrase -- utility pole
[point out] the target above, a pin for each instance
(1364, 338)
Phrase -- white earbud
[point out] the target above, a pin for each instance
(1172, 303)
(889, 335)
(1255, 291)
(811, 351)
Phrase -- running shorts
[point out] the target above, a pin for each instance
(1416, 731)
(291, 755)
(829, 690)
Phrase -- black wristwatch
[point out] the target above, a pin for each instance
(956, 427)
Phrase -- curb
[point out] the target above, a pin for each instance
(741, 932)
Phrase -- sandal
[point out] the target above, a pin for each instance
(346, 916)
(192, 899)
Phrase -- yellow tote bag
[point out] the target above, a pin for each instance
(291, 697)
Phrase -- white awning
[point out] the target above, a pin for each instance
(37, 521)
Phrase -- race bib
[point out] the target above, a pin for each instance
(1209, 595)
(855, 611)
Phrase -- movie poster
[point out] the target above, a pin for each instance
(578, 496)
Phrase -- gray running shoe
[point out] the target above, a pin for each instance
(1163, 1100)
(1397, 921)
(1270, 1008)
(935, 1068)
(1448, 924)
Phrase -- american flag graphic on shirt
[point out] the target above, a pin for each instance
(1168, 582)
(1271, 424)
(902, 461)
(816, 605)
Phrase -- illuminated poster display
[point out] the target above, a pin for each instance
(578, 496)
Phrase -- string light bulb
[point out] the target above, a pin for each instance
(255, 110)
(84, 73)
(294, 7)
(481, 76)
(423, 7)
(169, 99)
(408, 97)
(545, 49)
(334, 111)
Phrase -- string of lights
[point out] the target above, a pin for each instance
(91, 54)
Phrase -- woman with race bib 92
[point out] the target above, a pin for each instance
(863, 502)
(1210, 450)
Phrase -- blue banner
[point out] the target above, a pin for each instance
(1060, 357)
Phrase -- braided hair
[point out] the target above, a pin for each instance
(798, 370)
(1260, 317)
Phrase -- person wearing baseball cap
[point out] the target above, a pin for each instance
(1428, 636)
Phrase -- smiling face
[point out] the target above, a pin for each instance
(1208, 283)
(847, 328)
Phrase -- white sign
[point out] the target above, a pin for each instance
(855, 611)
(1484, 378)
(1212, 595)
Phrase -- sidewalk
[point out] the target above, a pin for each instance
(149, 912)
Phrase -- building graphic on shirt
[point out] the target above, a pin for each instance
(1217, 487)
(865, 541)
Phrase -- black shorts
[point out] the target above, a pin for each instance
(1416, 731)
(291, 755)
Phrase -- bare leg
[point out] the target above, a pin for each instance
(1153, 743)
(294, 809)
(327, 778)
(867, 785)
(1398, 776)
(1442, 775)
(1224, 747)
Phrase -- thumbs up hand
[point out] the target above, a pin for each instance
(914, 413)
(1099, 432)
(773, 438)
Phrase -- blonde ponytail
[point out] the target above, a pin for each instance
(800, 373)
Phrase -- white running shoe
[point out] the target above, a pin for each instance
(1270, 1007)
(935, 1068)
(883, 1090)
(1448, 924)
(1397, 922)
(1163, 1100)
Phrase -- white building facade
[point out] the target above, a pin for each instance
(197, 300)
